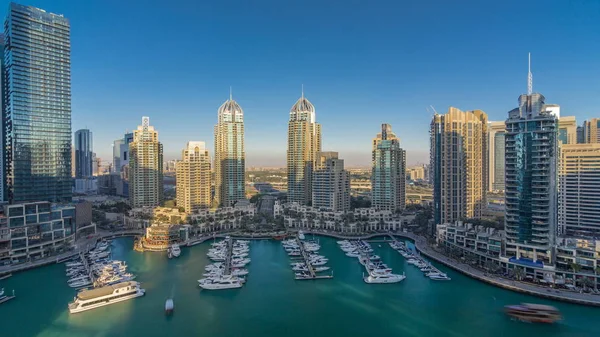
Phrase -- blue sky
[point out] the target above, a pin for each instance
(362, 63)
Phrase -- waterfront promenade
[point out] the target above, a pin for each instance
(84, 245)
(423, 247)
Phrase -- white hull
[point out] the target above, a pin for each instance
(383, 280)
(220, 286)
(101, 304)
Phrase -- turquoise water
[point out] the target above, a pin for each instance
(272, 303)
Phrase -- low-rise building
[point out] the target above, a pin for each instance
(487, 241)
(31, 231)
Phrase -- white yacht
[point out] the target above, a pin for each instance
(389, 278)
(301, 235)
(223, 282)
(175, 250)
(438, 277)
(99, 297)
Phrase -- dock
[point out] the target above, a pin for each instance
(228, 257)
(88, 268)
(4, 277)
(311, 270)
(6, 299)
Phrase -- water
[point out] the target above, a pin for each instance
(272, 303)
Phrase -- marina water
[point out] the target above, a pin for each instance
(272, 303)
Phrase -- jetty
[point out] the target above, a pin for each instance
(8, 298)
(311, 269)
(88, 268)
(228, 253)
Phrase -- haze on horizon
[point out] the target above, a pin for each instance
(362, 64)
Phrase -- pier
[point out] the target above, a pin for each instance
(228, 257)
(88, 268)
(7, 298)
(311, 269)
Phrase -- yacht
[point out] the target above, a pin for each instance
(301, 235)
(222, 282)
(169, 306)
(175, 250)
(99, 297)
(320, 269)
(353, 254)
(439, 277)
(533, 313)
(80, 283)
(390, 278)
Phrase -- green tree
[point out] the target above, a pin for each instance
(575, 267)
(519, 273)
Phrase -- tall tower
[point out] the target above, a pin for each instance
(460, 161)
(531, 179)
(37, 114)
(193, 177)
(230, 158)
(83, 154)
(304, 142)
(145, 167)
(331, 183)
(388, 178)
(496, 134)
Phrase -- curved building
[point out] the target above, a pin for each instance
(304, 142)
(229, 154)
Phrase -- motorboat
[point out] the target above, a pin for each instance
(353, 254)
(318, 262)
(390, 278)
(320, 269)
(99, 297)
(169, 306)
(439, 277)
(301, 235)
(219, 283)
(374, 258)
(533, 313)
(80, 283)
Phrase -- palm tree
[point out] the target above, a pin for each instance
(575, 267)
(587, 283)
(519, 273)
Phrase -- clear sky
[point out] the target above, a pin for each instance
(362, 63)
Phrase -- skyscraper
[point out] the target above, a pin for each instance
(496, 131)
(460, 160)
(331, 183)
(304, 142)
(567, 129)
(388, 178)
(230, 157)
(531, 188)
(591, 131)
(579, 190)
(84, 156)
(193, 177)
(145, 167)
(37, 117)
(3, 94)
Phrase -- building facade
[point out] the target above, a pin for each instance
(145, 167)
(579, 191)
(531, 180)
(591, 131)
(31, 231)
(84, 156)
(304, 142)
(567, 129)
(331, 183)
(496, 133)
(388, 171)
(459, 151)
(193, 177)
(37, 116)
(230, 156)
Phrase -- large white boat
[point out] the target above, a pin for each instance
(175, 250)
(390, 278)
(301, 235)
(99, 297)
(223, 282)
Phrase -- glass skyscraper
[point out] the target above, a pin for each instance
(531, 180)
(37, 154)
(83, 154)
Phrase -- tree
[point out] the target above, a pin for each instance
(587, 282)
(519, 273)
(575, 267)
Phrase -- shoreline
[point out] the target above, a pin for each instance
(420, 246)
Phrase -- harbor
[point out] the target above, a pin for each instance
(227, 271)
(339, 306)
(376, 270)
(306, 263)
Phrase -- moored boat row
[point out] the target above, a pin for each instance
(426, 267)
(377, 271)
(227, 270)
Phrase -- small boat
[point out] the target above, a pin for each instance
(301, 235)
(175, 250)
(389, 278)
(533, 313)
(439, 277)
(169, 307)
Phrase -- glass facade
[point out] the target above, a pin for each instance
(388, 177)
(83, 154)
(531, 180)
(37, 119)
